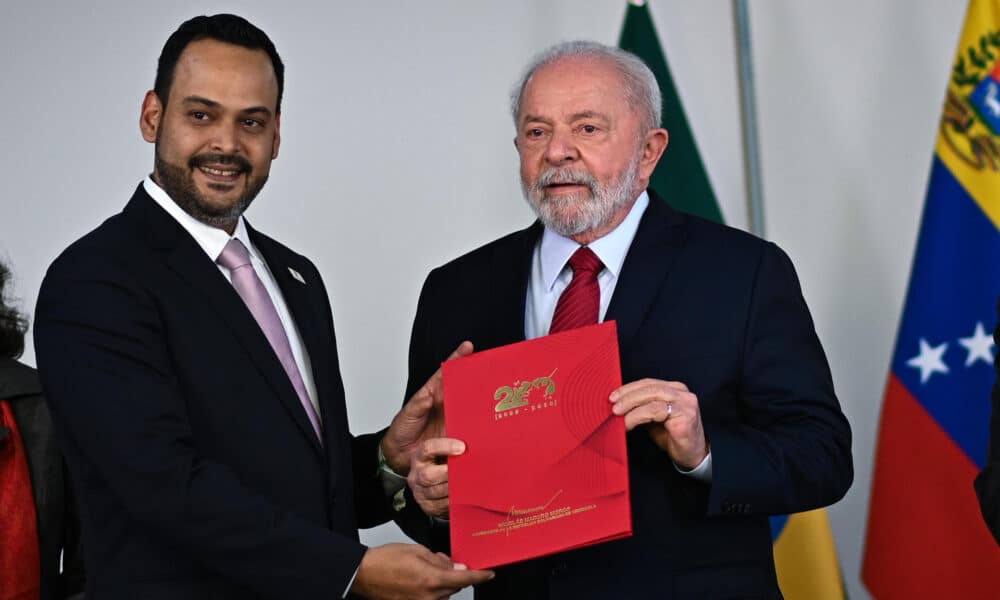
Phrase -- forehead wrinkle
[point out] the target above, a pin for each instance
(589, 114)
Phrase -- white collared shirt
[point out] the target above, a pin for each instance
(551, 274)
(212, 240)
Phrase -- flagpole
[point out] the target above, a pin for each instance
(748, 112)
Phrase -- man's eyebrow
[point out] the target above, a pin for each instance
(534, 119)
(253, 110)
(200, 100)
(588, 114)
(257, 110)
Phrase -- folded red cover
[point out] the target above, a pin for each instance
(545, 467)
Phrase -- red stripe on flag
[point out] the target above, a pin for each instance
(926, 537)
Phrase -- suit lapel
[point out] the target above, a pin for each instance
(657, 245)
(297, 291)
(511, 268)
(189, 262)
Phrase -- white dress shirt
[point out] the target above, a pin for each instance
(551, 274)
(212, 240)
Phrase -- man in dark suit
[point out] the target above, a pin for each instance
(728, 398)
(987, 483)
(191, 368)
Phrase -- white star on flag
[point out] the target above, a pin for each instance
(980, 346)
(929, 360)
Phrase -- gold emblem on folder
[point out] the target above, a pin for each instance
(516, 396)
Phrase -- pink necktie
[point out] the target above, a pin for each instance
(236, 258)
(580, 302)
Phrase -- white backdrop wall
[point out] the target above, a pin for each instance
(397, 152)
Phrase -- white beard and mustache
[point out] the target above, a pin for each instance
(574, 214)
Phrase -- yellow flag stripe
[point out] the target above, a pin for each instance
(806, 558)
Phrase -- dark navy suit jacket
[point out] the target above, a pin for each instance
(987, 483)
(720, 311)
(197, 471)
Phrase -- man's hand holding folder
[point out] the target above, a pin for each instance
(536, 458)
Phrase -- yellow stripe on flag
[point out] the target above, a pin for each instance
(965, 143)
(806, 558)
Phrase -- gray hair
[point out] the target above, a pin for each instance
(639, 84)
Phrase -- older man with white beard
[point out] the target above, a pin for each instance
(729, 403)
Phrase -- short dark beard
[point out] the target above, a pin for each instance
(178, 183)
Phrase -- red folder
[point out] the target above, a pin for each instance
(545, 467)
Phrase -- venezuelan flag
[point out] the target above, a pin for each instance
(926, 538)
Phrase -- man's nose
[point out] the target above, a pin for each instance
(561, 149)
(226, 139)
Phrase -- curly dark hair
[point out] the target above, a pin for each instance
(13, 325)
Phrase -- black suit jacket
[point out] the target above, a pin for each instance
(706, 305)
(58, 524)
(987, 483)
(198, 473)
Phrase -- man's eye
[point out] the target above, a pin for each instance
(251, 123)
(589, 129)
(536, 132)
(199, 115)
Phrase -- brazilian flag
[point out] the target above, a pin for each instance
(680, 177)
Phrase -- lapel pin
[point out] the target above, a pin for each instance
(297, 275)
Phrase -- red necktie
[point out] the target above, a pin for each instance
(20, 577)
(580, 302)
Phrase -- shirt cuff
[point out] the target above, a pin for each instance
(393, 484)
(702, 472)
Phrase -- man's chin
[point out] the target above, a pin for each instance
(564, 198)
(563, 223)
(218, 197)
(214, 208)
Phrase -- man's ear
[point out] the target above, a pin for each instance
(277, 137)
(150, 115)
(652, 150)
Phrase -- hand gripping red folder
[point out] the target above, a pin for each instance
(545, 467)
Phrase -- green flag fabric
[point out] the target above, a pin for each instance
(680, 177)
